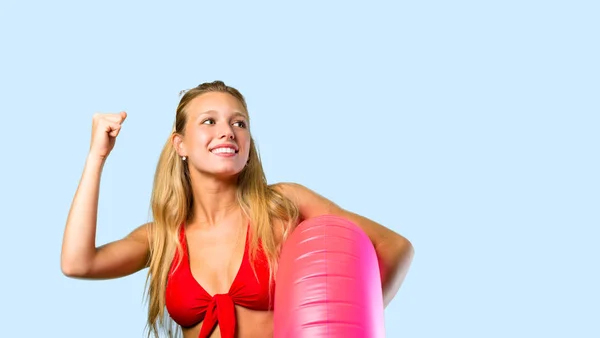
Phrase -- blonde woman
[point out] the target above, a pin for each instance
(212, 247)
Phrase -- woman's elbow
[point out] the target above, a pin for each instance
(399, 253)
(72, 272)
(407, 248)
(72, 269)
(395, 258)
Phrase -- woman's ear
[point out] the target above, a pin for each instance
(177, 141)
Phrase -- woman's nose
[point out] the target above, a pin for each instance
(226, 132)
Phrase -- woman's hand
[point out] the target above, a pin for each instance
(105, 129)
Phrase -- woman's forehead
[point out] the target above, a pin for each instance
(216, 103)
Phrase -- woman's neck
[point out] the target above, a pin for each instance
(215, 202)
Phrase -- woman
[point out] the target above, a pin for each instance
(217, 228)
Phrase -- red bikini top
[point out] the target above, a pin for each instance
(189, 304)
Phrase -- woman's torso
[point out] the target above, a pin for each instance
(217, 262)
(250, 324)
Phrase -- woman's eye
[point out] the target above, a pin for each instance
(240, 124)
(208, 121)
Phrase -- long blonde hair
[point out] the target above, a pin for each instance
(172, 202)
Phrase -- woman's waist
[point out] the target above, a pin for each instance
(249, 324)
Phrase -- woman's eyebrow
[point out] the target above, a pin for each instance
(235, 114)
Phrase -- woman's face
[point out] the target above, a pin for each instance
(216, 139)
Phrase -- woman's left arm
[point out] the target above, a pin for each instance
(394, 252)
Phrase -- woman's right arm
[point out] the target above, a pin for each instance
(80, 258)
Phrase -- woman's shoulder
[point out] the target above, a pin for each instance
(291, 190)
(286, 188)
(309, 202)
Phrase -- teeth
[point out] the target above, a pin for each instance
(224, 150)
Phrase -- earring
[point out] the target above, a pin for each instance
(183, 158)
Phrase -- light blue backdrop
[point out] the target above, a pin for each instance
(471, 127)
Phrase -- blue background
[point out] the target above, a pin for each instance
(470, 127)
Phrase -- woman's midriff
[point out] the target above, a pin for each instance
(249, 324)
